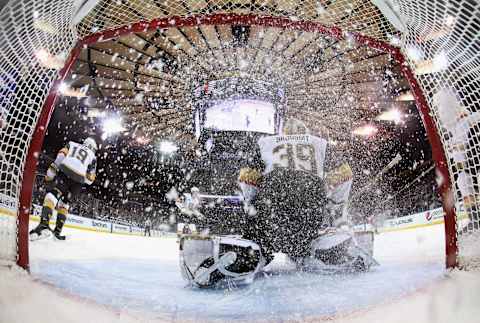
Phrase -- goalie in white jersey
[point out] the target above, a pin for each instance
(290, 206)
(284, 181)
(74, 166)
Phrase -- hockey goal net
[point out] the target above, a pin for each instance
(435, 42)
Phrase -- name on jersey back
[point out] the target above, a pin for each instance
(305, 138)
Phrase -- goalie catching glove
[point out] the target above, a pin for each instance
(249, 176)
(340, 175)
(248, 180)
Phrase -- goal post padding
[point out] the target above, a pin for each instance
(266, 21)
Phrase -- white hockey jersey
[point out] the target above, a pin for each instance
(458, 145)
(298, 152)
(78, 159)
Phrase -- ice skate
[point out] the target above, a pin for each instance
(41, 232)
(58, 236)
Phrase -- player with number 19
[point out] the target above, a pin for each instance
(74, 166)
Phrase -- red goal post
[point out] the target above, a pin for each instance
(17, 181)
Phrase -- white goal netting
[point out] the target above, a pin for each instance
(440, 40)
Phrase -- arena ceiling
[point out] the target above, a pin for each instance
(337, 84)
(151, 77)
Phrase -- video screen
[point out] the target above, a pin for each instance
(241, 115)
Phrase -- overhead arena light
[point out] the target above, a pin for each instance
(426, 65)
(142, 140)
(43, 24)
(405, 96)
(50, 61)
(365, 131)
(414, 53)
(167, 147)
(112, 126)
(437, 64)
(95, 113)
(391, 115)
(442, 30)
(66, 90)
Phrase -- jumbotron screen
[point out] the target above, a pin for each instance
(241, 115)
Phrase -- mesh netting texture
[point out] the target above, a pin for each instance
(28, 29)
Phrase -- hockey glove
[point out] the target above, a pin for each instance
(51, 172)
(339, 175)
(249, 176)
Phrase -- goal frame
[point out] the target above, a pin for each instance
(438, 152)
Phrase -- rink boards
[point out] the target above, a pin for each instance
(424, 219)
(417, 220)
(8, 217)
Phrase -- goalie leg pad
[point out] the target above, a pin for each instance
(339, 251)
(212, 261)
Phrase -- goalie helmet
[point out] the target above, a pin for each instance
(91, 144)
(195, 190)
(294, 127)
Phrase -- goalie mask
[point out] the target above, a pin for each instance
(213, 261)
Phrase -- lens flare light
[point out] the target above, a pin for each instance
(112, 126)
(365, 131)
(391, 115)
(167, 147)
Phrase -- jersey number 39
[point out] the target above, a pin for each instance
(296, 156)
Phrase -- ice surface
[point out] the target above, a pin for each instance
(127, 279)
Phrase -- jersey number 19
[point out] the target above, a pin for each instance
(79, 153)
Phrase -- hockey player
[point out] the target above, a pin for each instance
(462, 126)
(288, 172)
(190, 203)
(186, 229)
(290, 205)
(74, 166)
(339, 184)
(148, 226)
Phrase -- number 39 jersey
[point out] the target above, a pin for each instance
(296, 152)
(78, 159)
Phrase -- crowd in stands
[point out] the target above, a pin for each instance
(384, 203)
(413, 198)
(126, 213)
(414, 201)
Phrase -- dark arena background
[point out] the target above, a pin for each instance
(177, 94)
